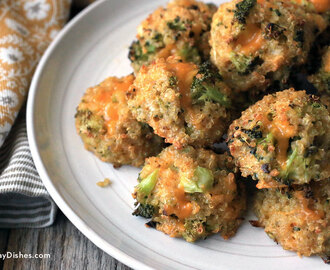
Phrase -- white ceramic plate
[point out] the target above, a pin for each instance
(91, 47)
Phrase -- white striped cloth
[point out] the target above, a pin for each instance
(24, 200)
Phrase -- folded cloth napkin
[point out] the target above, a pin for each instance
(26, 29)
(24, 201)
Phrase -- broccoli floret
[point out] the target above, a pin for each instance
(205, 86)
(140, 54)
(176, 24)
(146, 185)
(243, 9)
(274, 31)
(194, 229)
(202, 181)
(90, 123)
(289, 166)
(245, 64)
(190, 54)
(144, 210)
(173, 81)
(136, 54)
(253, 133)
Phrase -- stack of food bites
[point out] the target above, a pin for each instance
(283, 140)
(196, 68)
(283, 143)
(186, 191)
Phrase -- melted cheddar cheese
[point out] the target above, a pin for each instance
(183, 207)
(250, 40)
(321, 5)
(282, 131)
(108, 100)
(184, 72)
(305, 209)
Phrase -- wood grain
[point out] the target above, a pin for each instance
(69, 249)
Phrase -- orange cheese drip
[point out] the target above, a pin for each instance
(282, 131)
(185, 72)
(321, 5)
(183, 207)
(250, 39)
(311, 214)
(169, 50)
(109, 99)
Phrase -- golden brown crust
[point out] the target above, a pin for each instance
(282, 140)
(194, 215)
(179, 29)
(161, 96)
(108, 128)
(297, 218)
(255, 50)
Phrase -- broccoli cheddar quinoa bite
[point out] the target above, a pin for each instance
(190, 193)
(255, 43)
(183, 103)
(298, 218)
(181, 29)
(320, 6)
(282, 140)
(108, 128)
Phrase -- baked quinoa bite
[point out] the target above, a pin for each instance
(190, 193)
(320, 6)
(181, 28)
(298, 218)
(255, 43)
(321, 79)
(183, 103)
(108, 128)
(282, 140)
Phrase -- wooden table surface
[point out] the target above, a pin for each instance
(68, 249)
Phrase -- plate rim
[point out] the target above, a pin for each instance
(70, 213)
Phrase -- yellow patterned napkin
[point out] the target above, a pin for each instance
(26, 29)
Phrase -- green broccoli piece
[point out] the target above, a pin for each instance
(269, 139)
(135, 53)
(192, 230)
(202, 181)
(141, 54)
(176, 24)
(274, 31)
(245, 64)
(290, 161)
(190, 54)
(146, 185)
(90, 123)
(243, 9)
(205, 86)
(144, 210)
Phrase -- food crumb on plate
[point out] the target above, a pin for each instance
(106, 182)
